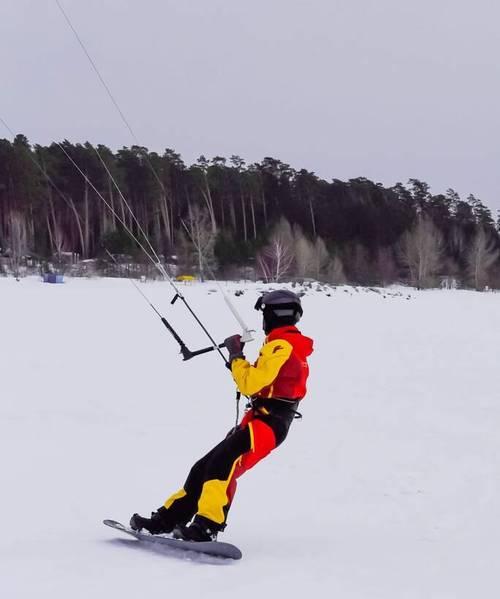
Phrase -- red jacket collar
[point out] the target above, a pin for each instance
(280, 331)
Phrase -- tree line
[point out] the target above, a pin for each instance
(222, 215)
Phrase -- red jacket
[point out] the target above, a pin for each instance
(281, 369)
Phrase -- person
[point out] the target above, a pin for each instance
(275, 384)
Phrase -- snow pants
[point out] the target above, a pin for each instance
(211, 484)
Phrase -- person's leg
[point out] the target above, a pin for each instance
(263, 439)
(210, 486)
(229, 460)
(180, 507)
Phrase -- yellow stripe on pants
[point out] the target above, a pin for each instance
(179, 495)
(213, 497)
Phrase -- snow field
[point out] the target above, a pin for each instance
(388, 487)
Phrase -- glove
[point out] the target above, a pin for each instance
(235, 347)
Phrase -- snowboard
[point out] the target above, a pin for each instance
(214, 548)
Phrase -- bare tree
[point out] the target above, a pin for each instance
(481, 256)
(336, 274)
(55, 229)
(202, 166)
(321, 257)
(198, 227)
(276, 259)
(422, 251)
(78, 221)
(164, 205)
(58, 240)
(304, 254)
(17, 240)
(311, 259)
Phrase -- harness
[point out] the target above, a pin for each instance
(279, 407)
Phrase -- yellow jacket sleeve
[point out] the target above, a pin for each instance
(251, 379)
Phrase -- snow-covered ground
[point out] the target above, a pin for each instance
(388, 488)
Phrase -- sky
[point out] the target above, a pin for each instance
(385, 89)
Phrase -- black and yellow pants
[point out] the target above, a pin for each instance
(211, 484)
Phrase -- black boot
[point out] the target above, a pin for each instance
(160, 522)
(200, 529)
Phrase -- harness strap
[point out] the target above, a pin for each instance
(238, 397)
(266, 409)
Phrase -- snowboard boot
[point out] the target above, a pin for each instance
(159, 522)
(200, 529)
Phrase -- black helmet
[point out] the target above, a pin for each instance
(280, 308)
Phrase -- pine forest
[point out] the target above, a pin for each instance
(67, 207)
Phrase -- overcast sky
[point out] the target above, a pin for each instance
(386, 89)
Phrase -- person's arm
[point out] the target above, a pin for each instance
(251, 379)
